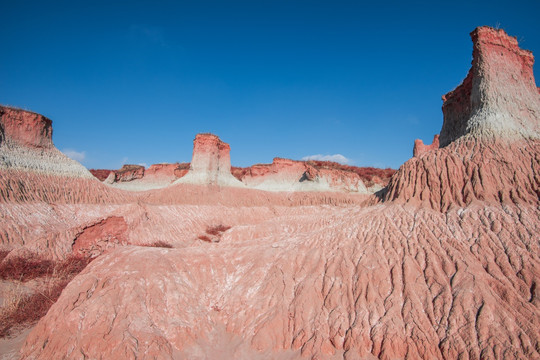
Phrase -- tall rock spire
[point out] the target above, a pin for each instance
(498, 99)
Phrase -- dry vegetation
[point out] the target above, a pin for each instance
(217, 229)
(160, 244)
(22, 308)
(213, 233)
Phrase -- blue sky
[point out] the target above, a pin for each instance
(134, 82)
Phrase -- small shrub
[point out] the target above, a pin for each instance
(204, 238)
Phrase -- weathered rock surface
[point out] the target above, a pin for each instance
(26, 144)
(443, 264)
(388, 281)
(211, 163)
(463, 172)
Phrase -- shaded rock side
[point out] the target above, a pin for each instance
(26, 144)
(211, 163)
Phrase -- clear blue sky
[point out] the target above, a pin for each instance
(133, 81)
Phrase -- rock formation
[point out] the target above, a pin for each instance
(281, 175)
(290, 175)
(498, 99)
(420, 148)
(442, 264)
(26, 144)
(489, 138)
(211, 163)
(129, 173)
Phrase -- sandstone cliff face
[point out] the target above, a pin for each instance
(26, 144)
(211, 163)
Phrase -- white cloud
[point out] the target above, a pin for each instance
(335, 158)
(143, 164)
(75, 155)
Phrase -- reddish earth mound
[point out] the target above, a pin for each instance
(442, 264)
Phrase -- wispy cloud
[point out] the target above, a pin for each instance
(335, 158)
(75, 155)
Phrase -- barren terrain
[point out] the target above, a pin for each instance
(439, 260)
